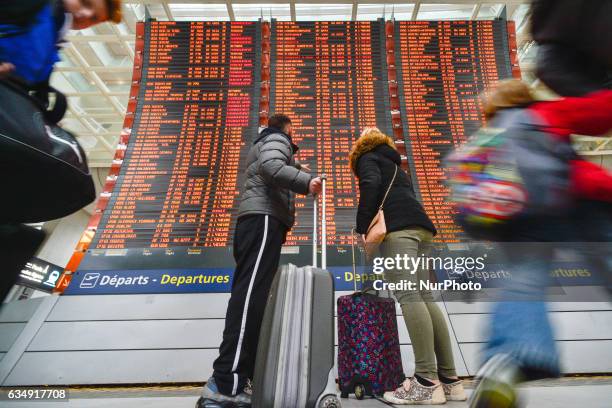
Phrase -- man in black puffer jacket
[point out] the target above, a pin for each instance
(265, 216)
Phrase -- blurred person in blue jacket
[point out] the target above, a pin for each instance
(32, 32)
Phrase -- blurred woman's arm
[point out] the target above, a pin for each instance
(589, 115)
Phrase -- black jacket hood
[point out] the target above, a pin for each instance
(389, 153)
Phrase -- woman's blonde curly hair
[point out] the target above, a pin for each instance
(370, 138)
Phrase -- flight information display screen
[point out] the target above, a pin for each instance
(197, 109)
(330, 79)
(443, 67)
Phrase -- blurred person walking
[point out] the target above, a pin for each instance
(265, 215)
(574, 56)
(521, 345)
(382, 183)
(31, 33)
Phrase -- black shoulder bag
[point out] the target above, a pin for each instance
(43, 167)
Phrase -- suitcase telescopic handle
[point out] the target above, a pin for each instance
(353, 232)
(315, 222)
(323, 223)
(315, 218)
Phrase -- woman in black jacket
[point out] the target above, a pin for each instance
(374, 160)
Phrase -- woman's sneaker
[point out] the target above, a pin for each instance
(212, 398)
(454, 391)
(411, 392)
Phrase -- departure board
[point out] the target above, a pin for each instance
(442, 68)
(197, 108)
(330, 79)
(199, 92)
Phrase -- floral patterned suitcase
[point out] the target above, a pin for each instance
(369, 359)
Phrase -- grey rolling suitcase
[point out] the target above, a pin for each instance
(295, 356)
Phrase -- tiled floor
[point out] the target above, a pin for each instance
(564, 393)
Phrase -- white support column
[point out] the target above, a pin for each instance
(20, 345)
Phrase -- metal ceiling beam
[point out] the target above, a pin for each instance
(124, 44)
(89, 127)
(510, 10)
(603, 144)
(87, 114)
(80, 38)
(95, 78)
(99, 162)
(100, 69)
(596, 153)
(168, 11)
(230, 10)
(476, 10)
(354, 11)
(292, 9)
(95, 93)
(415, 10)
(199, 2)
(95, 134)
(580, 138)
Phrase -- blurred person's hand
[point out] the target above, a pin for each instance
(304, 167)
(5, 69)
(315, 186)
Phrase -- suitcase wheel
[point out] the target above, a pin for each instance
(330, 401)
(360, 391)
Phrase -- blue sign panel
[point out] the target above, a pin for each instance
(209, 280)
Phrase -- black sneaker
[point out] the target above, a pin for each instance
(248, 388)
(212, 398)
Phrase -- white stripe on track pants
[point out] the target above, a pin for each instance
(257, 245)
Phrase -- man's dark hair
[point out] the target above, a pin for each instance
(278, 121)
